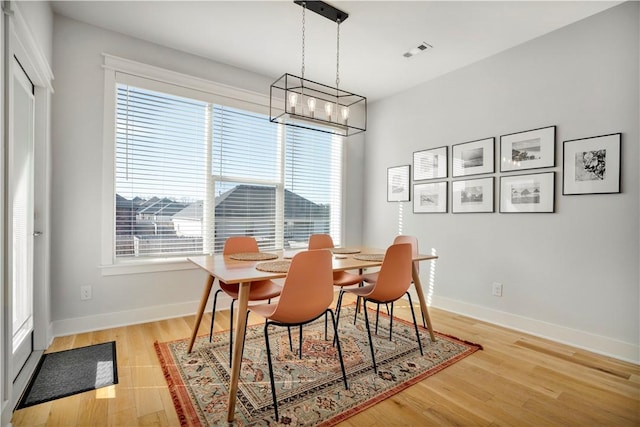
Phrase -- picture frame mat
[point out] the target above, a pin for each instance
(398, 183)
(430, 197)
(460, 151)
(430, 164)
(485, 186)
(611, 181)
(545, 138)
(514, 200)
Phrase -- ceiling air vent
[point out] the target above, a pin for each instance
(420, 48)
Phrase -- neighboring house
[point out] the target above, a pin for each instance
(234, 216)
(163, 225)
(188, 222)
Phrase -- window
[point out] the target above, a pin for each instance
(190, 172)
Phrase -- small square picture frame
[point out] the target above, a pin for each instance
(473, 158)
(398, 183)
(473, 195)
(531, 193)
(592, 165)
(430, 164)
(531, 149)
(430, 197)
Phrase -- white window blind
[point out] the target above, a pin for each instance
(160, 179)
(190, 173)
(247, 174)
(313, 185)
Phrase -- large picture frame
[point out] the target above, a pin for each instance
(430, 164)
(473, 158)
(533, 193)
(472, 195)
(592, 165)
(430, 197)
(532, 149)
(398, 183)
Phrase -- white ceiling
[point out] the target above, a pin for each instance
(265, 36)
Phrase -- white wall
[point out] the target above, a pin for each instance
(77, 183)
(39, 18)
(571, 275)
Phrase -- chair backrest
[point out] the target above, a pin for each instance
(394, 277)
(320, 241)
(414, 247)
(240, 244)
(308, 288)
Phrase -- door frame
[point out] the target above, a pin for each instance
(19, 42)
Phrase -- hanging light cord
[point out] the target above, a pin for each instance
(304, 8)
(338, 56)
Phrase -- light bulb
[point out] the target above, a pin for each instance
(293, 99)
(345, 114)
(311, 102)
(328, 108)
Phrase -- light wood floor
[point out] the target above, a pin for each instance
(517, 380)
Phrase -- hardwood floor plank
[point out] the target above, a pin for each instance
(516, 380)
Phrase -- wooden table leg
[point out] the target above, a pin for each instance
(203, 305)
(423, 302)
(236, 359)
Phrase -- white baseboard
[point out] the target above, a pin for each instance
(580, 339)
(123, 318)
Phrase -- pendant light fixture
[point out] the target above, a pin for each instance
(296, 101)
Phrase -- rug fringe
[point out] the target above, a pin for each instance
(461, 340)
(172, 386)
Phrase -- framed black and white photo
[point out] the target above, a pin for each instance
(532, 149)
(527, 193)
(473, 158)
(430, 197)
(472, 195)
(430, 164)
(398, 184)
(592, 165)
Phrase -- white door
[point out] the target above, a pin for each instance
(20, 213)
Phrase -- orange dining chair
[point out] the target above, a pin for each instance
(306, 296)
(340, 278)
(372, 277)
(394, 279)
(259, 290)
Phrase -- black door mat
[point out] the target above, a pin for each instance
(70, 372)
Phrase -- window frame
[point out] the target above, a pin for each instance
(119, 70)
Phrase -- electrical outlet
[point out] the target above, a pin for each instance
(497, 289)
(85, 292)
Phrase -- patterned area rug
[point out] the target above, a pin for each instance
(310, 390)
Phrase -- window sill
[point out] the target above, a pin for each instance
(147, 266)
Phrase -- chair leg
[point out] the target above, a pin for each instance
(213, 313)
(377, 317)
(335, 334)
(326, 318)
(355, 313)
(391, 322)
(273, 386)
(290, 340)
(244, 338)
(300, 342)
(415, 324)
(366, 320)
(231, 332)
(338, 309)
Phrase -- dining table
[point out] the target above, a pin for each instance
(229, 270)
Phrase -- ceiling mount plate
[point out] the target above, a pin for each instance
(324, 9)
